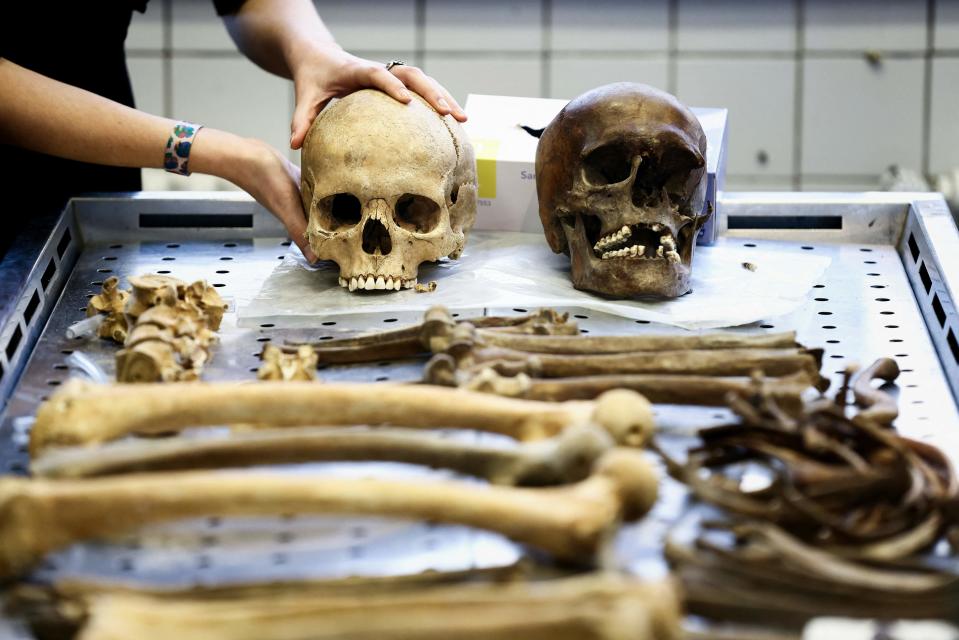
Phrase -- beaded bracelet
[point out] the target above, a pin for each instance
(176, 158)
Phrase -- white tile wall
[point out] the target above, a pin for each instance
(736, 53)
(610, 25)
(859, 119)
(146, 76)
(146, 29)
(758, 183)
(196, 27)
(371, 25)
(947, 25)
(885, 25)
(572, 75)
(760, 97)
(492, 25)
(497, 75)
(737, 25)
(944, 141)
(234, 95)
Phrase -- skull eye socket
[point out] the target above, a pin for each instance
(417, 214)
(340, 210)
(610, 164)
(670, 172)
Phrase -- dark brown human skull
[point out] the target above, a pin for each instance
(621, 180)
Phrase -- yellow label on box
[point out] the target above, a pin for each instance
(486, 151)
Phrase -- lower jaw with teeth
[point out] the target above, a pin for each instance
(611, 247)
(377, 283)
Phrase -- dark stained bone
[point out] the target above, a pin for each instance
(622, 167)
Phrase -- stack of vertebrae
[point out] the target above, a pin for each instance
(299, 365)
(166, 326)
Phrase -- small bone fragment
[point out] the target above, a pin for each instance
(877, 405)
(110, 302)
(597, 606)
(208, 301)
(148, 361)
(571, 522)
(749, 266)
(565, 458)
(80, 412)
(150, 290)
(430, 287)
(281, 366)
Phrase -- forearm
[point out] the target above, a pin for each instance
(51, 117)
(279, 35)
(57, 119)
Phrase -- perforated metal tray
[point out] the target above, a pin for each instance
(890, 291)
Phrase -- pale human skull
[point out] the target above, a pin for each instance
(621, 180)
(388, 186)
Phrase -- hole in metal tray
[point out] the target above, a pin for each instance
(48, 274)
(913, 248)
(31, 307)
(785, 222)
(14, 342)
(195, 221)
(924, 276)
(953, 345)
(64, 243)
(939, 311)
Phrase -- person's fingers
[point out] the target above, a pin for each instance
(379, 78)
(307, 108)
(431, 90)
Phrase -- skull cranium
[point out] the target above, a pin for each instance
(387, 186)
(621, 180)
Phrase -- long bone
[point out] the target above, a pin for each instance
(440, 334)
(660, 389)
(704, 362)
(412, 341)
(84, 413)
(570, 523)
(595, 606)
(565, 458)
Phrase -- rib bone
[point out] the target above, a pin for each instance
(563, 459)
(572, 522)
(591, 607)
(83, 413)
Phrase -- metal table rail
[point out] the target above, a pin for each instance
(891, 290)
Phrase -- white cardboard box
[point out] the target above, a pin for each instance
(506, 157)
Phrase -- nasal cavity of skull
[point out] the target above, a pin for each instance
(376, 238)
(417, 214)
(340, 210)
(609, 164)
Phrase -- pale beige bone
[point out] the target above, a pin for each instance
(150, 290)
(591, 607)
(703, 362)
(409, 172)
(110, 302)
(206, 298)
(570, 522)
(415, 340)
(567, 457)
(659, 389)
(81, 412)
(282, 366)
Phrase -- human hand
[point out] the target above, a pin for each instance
(333, 73)
(261, 171)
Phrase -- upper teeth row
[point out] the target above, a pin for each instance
(370, 283)
(613, 238)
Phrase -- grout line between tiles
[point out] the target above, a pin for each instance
(798, 88)
(927, 78)
(546, 66)
(167, 67)
(672, 47)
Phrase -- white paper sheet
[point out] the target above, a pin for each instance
(500, 269)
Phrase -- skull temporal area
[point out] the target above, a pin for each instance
(387, 186)
(621, 181)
